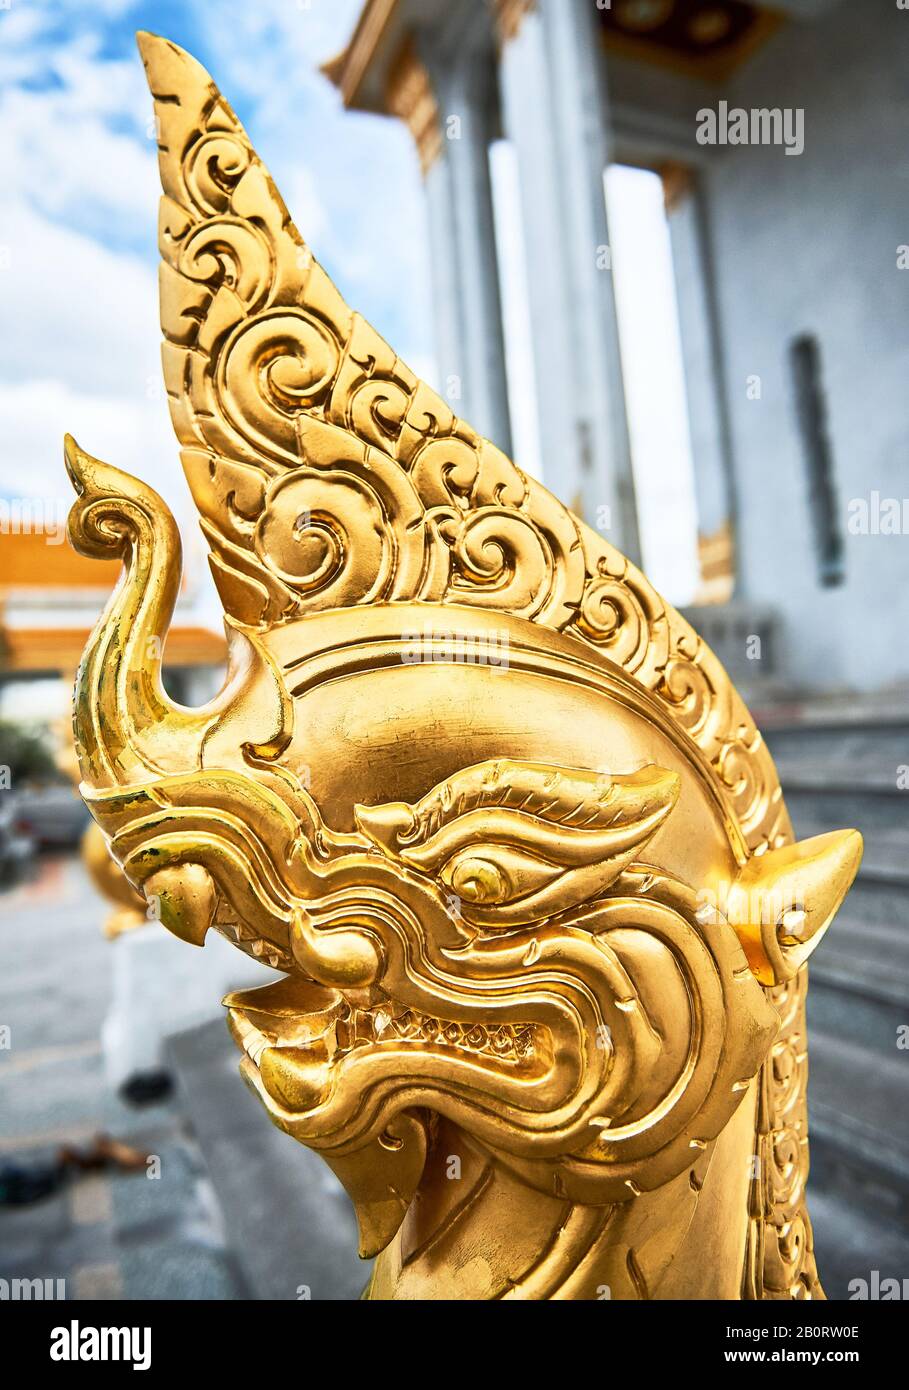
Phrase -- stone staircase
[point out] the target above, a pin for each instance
(839, 764)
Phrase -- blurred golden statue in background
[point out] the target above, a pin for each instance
(486, 800)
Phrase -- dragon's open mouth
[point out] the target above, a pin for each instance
(310, 1025)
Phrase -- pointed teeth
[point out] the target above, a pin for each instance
(512, 1042)
(266, 951)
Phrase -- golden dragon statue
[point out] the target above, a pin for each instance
(487, 801)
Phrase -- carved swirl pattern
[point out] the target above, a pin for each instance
(782, 1249)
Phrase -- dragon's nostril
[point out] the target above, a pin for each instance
(342, 956)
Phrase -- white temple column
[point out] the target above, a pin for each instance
(710, 447)
(554, 110)
(447, 319)
(528, 125)
(442, 84)
(409, 94)
(464, 82)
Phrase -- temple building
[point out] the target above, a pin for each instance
(778, 137)
(50, 599)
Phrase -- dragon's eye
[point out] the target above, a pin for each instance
(493, 874)
(517, 842)
(479, 881)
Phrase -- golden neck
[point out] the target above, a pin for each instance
(476, 1231)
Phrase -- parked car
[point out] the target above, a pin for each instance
(16, 848)
(52, 815)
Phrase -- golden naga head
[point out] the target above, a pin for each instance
(487, 801)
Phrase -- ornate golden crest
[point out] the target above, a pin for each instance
(487, 800)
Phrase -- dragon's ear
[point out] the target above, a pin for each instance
(782, 902)
(514, 842)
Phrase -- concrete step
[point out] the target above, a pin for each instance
(858, 1102)
(865, 958)
(792, 719)
(847, 740)
(873, 922)
(887, 843)
(863, 1018)
(851, 1242)
(839, 761)
(838, 795)
(880, 894)
(265, 1181)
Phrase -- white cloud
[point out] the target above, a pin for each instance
(23, 28)
(361, 203)
(92, 177)
(76, 311)
(35, 416)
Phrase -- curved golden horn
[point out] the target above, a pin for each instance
(124, 722)
(126, 728)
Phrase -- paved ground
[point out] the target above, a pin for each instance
(108, 1234)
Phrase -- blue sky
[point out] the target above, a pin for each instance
(79, 347)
